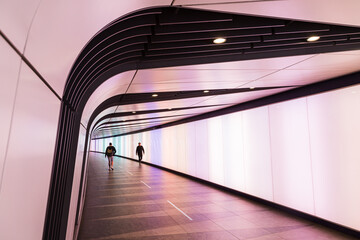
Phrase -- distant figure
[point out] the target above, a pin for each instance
(109, 153)
(140, 151)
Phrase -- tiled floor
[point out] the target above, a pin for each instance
(137, 201)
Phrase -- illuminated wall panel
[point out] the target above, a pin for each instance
(215, 143)
(155, 156)
(168, 148)
(181, 147)
(257, 157)
(303, 153)
(290, 148)
(93, 144)
(116, 144)
(233, 151)
(147, 146)
(126, 145)
(104, 144)
(190, 149)
(202, 151)
(334, 119)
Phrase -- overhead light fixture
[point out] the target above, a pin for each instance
(134, 112)
(169, 108)
(219, 40)
(154, 95)
(313, 38)
(206, 91)
(252, 87)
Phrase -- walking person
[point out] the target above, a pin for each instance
(109, 153)
(140, 151)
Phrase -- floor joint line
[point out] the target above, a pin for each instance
(180, 210)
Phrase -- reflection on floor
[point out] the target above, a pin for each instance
(142, 202)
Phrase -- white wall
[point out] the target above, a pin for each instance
(303, 153)
(27, 165)
(28, 126)
(9, 71)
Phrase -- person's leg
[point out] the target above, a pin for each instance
(140, 157)
(112, 162)
(109, 162)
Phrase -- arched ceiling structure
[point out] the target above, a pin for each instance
(56, 32)
(262, 56)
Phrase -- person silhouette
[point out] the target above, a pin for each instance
(109, 153)
(140, 151)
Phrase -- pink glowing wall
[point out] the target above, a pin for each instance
(303, 153)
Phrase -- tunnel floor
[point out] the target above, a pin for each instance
(137, 201)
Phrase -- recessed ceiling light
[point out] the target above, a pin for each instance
(154, 95)
(313, 38)
(252, 87)
(134, 112)
(219, 40)
(206, 91)
(169, 108)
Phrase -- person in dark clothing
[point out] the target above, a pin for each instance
(140, 151)
(109, 153)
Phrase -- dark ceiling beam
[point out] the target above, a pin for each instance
(211, 48)
(210, 35)
(274, 44)
(239, 23)
(201, 43)
(302, 27)
(127, 124)
(110, 35)
(135, 120)
(124, 114)
(304, 36)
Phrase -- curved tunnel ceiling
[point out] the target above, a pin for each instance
(172, 36)
(168, 37)
(109, 126)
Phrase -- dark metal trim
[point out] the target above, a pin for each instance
(27, 62)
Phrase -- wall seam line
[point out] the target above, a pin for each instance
(271, 156)
(11, 126)
(27, 62)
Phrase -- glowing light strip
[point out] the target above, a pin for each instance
(180, 210)
(145, 184)
(129, 173)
